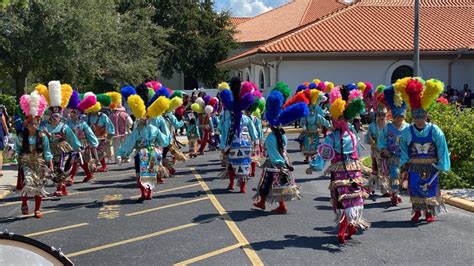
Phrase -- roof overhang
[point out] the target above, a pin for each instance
(260, 58)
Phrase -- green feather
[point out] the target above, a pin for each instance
(354, 108)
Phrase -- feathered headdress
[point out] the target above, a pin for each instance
(223, 86)
(276, 115)
(420, 96)
(394, 102)
(104, 99)
(89, 103)
(56, 95)
(346, 102)
(378, 100)
(33, 106)
(74, 100)
(116, 99)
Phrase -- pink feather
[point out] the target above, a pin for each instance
(354, 94)
(246, 88)
(368, 89)
(86, 103)
(42, 106)
(25, 104)
(334, 94)
(322, 86)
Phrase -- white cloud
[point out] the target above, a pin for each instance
(248, 8)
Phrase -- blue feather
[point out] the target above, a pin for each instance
(312, 86)
(293, 112)
(227, 99)
(300, 88)
(127, 91)
(246, 100)
(161, 92)
(273, 107)
(389, 96)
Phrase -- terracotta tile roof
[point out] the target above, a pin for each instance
(284, 18)
(369, 26)
(238, 20)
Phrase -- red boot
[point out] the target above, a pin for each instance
(172, 170)
(142, 191)
(231, 180)
(430, 218)
(104, 166)
(58, 192)
(281, 208)
(395, 199)
(24, 205)
(243, 187)
(416, 217)
(341, 236)
(38, 200)
(64, 190)
(352, 230)
(70, 181)
(148, 195)
(261, 203)
(253, 166)
(89, 175)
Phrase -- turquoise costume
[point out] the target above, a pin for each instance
(310, 125)
(389, 140)
(426, 153)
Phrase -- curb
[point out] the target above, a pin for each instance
(458, 202)
(454, 201)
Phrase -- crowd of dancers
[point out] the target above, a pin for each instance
(63, 129)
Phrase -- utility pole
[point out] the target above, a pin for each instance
(416, 45)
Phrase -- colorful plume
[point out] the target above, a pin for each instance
(137, 105)
(431, 93)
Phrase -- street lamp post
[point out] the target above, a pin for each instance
(416, 59)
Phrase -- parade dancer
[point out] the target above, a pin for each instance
(35, 156)
(84, 133)
(173, 125)
(102, 127)
(240, 136)
(192, 133)
(254, 113)
(214, 139)
(63, 141)
(148, 141)
(424, 151)
(121, 121)
(340, 146)
(378, 176)
(159, 122)
(224, 124)
(277, 183)
(206, 125)
(389, 141)
(311, 124)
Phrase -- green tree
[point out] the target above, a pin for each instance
(199, 38)
(80, 42)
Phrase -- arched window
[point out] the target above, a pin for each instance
(401, 72)
(262, 80)
(248, 77)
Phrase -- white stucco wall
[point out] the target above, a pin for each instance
(176, 82)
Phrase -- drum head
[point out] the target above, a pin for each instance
(22, 250)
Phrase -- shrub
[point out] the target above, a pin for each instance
(9, 102)
(458, 127)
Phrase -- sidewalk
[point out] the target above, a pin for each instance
(461, 198)
(7, 181)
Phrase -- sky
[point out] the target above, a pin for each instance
(247, 8)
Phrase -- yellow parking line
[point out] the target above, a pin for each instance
(208, 255)
(251, 254)
(32, 214)
(167, 206)
(131, 240)
(56, 230)
(168, 190)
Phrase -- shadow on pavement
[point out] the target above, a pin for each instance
(71, 206)
(324, 243)
(187, 195)
(394, 224)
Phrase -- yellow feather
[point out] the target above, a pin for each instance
(314, 96)
(196, 108)
(93, 109)
(43, 90)
(116, 99)
(361, 86)
(136, 104)
(431, 93)
(329, 86)
(175, 103)
(66, 92)
(316, 81)
(158, 107)
(337, 108)
(400, 87)
(223, 86)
